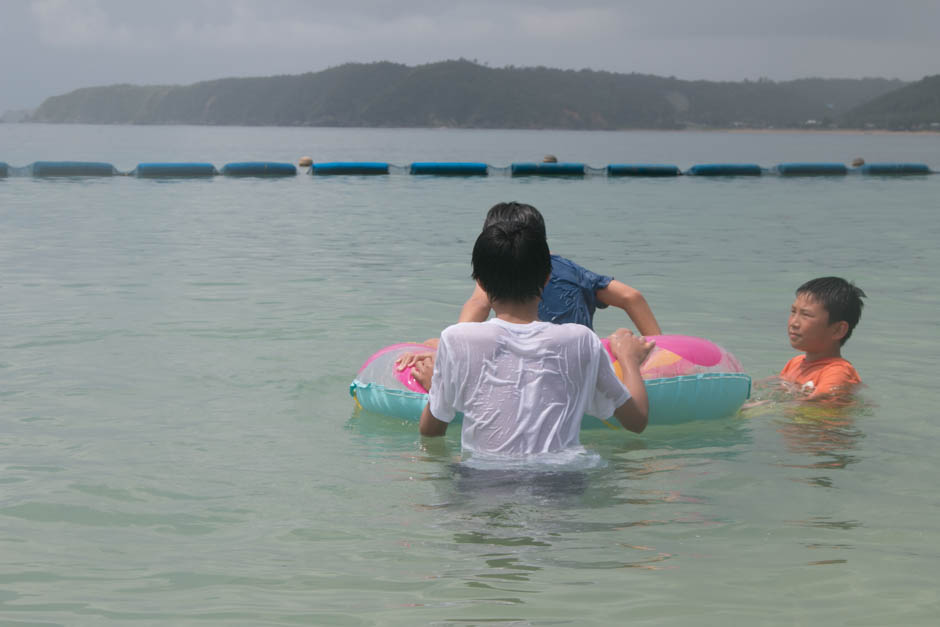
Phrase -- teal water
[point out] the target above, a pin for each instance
(177, 444)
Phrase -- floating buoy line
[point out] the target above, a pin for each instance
(270, 169)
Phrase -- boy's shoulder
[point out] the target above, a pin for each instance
(566, 270)
(799, 362)
(840, 364)
(564, 265)
(487, 329)
(464, 329)
(793, 364)
(495, 327)
(574, 329)
(574, 334)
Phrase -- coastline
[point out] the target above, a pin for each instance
(697, 129)
(825, 131)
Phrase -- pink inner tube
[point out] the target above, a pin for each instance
(697, 350)
(674, 355)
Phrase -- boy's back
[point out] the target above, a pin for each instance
(523, 388)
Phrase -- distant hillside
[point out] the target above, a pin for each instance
(468, 95)
(916, 106)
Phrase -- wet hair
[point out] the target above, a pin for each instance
(511, 261)
(515, 213)
(841, 299)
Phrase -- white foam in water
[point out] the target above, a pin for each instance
(570, 459)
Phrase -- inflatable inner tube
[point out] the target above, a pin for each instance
(687, 378)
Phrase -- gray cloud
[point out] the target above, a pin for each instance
(53, 46)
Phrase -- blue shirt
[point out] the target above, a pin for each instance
(571, 293)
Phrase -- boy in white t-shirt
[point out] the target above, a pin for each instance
(525, 385)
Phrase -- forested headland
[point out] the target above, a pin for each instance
(465, 94)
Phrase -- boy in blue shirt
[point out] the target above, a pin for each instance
(573, 292)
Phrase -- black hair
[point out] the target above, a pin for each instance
(511, 261)
(841, 299)
(515, 213)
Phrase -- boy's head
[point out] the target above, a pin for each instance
(516, 213)
(511, 261)
(824, 314)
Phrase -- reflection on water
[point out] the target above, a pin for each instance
(823, 522)
(830, 439)
(555, 488)
(718, 437)
(824, 430)
(517, 525)
(822, 438)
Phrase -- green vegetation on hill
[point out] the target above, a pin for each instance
(468, 95)
(913, 107)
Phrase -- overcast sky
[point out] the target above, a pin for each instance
(50, 47)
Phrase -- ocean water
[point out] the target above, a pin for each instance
(178, 446)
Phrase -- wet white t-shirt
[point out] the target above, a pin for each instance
(523, 388)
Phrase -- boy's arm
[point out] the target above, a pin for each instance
(633, 303)
(443, 395)
(431, 426)
(630, 352)
(477, 307)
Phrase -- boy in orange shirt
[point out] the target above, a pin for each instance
(821, 320)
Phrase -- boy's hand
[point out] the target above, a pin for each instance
(628, 348)
(423, 366)
(422, 373)
(411, 359)
(630, 352)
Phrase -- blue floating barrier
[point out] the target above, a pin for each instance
(4, 169)
(350, 167)
(547, 169)
(643, 169)
(450, 168)
(174, 170)
(72, 168)
(259, 168)
(812, 169)
(895, 168)
(725, 169)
